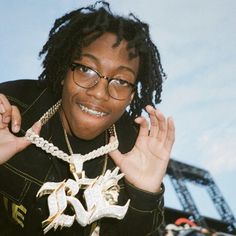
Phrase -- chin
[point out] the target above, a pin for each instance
(86, 136)
(88, 133)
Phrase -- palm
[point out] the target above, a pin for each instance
(145, 165)
(10, 144)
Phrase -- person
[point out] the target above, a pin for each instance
(100, 72)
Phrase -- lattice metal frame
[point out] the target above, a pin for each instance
(180, 173)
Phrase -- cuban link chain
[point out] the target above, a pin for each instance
(101, 194)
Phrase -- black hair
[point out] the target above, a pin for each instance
(81, 27)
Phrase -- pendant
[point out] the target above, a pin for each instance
(101, 195)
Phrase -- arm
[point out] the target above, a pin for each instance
(144, 167)
(145, 214)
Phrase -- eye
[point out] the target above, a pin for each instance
(84, 69)
(120, 82)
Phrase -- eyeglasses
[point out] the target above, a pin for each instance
(86, 77)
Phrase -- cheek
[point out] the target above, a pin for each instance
(69, 89)
(118, 109)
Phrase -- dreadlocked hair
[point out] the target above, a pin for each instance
(79, 28)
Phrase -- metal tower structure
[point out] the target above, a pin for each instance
(180, 173)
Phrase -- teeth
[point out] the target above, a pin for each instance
(92, 112)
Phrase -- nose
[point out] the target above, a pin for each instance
(100, 90)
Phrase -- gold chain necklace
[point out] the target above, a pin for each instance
(75, 160)
(100, 194)
(71, 151)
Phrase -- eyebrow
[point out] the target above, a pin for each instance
(97, 61)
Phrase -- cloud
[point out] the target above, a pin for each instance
(197, 43)
(219, 148)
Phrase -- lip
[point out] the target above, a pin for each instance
(93, 107)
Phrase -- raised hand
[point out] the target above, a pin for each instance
(145, 165)
(10, 122)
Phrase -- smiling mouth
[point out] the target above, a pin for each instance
(92, 112)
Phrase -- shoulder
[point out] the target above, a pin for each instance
(18, 86)
(21, 92)
(31, 98)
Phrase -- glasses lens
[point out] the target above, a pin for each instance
(84, 76)
(119, 89)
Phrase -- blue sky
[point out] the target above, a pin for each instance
(197, 42)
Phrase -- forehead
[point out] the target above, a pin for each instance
(105, 49)
(107, 44)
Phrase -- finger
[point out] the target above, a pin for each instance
(2, 108)
(161, 136)
(2, 124)
(16, 120)
(5, 109)
(170, 137)
(154, 128)
(23, 142)
(37, 127)
(116, 154)
(143, 126)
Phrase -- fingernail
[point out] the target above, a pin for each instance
(16, 128)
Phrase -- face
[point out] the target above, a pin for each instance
(88, 112)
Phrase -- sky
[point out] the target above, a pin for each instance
(197, 43)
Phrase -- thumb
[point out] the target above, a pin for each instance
(23, 142)
(37, 127)
(116, 155)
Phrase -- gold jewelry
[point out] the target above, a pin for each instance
(100, 194)
(49, 114)
(111, 133)
(76, 159)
